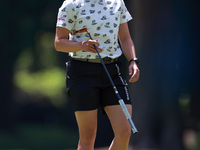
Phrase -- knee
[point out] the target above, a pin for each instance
(88, 138)
(124, 133)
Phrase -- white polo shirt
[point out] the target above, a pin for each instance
(102, 19)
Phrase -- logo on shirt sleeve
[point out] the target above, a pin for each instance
(61, 19)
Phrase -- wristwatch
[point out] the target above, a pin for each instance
(136, 60)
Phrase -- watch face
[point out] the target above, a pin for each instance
(137, 61)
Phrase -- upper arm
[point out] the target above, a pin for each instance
(123, 33)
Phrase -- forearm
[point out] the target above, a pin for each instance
(128, 48)
(65, 45)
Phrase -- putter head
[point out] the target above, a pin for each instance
(80, 31)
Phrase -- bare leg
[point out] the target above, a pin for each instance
(120, 125)
(87, 124)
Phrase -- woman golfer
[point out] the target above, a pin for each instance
(87, 83)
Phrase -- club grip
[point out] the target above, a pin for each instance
(121, 102)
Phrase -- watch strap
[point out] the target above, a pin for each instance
(134, 59)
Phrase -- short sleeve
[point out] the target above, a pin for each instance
(125, 15)
(66, 15)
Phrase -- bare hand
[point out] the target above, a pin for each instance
(134, 72)
(89, 46)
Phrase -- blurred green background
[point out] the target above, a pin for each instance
(36, 113)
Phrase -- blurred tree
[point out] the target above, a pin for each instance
(165, 38)
(8, 54)
(23, 24)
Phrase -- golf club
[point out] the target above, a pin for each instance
(121, 102)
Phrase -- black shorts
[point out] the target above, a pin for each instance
(89, 86)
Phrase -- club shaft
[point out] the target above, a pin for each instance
(121, 102)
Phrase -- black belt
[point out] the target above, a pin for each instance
(106, 60)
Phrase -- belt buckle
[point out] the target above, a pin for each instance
(107, 60)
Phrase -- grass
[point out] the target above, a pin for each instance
(38, 136)
(41, 136)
